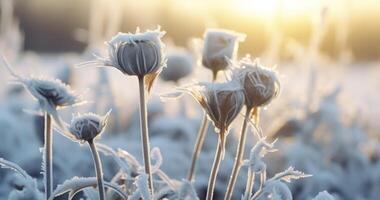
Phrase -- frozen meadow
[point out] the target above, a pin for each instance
(317, 139)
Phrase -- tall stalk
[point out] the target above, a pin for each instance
(198, 146)
(199, 141)
(144, 132)
(98, 169)
(215, 167)
(48, 148)
(239, 155)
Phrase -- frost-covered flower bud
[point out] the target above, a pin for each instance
(136, 54)
(221, 101)
(51, 94)
(87, 126)
(180, 64)
(260, 84)
(220, 46)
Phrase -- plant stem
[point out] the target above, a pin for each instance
(200, 140)
(198, 146)
(48, 148)
(144, 132)
(98, 169)
(249, 185)
(215, 167)
(239, 156)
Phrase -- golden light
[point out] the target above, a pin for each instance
(269, 8)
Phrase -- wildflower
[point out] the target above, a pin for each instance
(179, 65)
(88, 126)
(260, 84)
(220, 46)
(221, 101)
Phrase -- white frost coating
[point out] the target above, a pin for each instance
(220, 46)
(88, 126)
(289, 175)
(142, 189)
(187, 191)
(324, 196)
(157, 157)
(256, 164)
(76, 184)
(276, 190)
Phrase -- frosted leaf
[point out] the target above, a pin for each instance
(142, 188)
(256, 164)
(187, 191)
(24, 189)
(324, 196)
(276, 190)
(77, 184)
(29, 188)
(13, 166)
(289, 175)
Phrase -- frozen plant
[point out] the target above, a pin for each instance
(51, 95)
(260, 85)
(222, 102)
(86, 128)
(219, 47)
(272, 188)
(25, 185)
(141, 55)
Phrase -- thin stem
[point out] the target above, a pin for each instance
(98, 169)
(198, 147)
(249, 185)
(144, 132)
(215, 167)
(48, 148)
(263, 177)
(239, 156)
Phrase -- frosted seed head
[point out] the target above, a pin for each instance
(260, 83)
(221, 101)
(179, 65)
(88, 126)
(219, 46)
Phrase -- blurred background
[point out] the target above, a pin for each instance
(326, 116)
(348, 25)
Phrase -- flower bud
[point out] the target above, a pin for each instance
(221, 101)
(220, 46)
(260, 84)
(136, 54)
(87, 126)
(179, 65)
